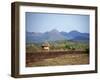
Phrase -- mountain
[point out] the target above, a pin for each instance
(55, 35)
(74, 33)
(34, 37)
(81, 39)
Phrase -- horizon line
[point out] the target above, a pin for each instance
(58, 31)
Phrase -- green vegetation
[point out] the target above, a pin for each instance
(59, 45)
(87, 50)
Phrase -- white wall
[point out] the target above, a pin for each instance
(5, 40)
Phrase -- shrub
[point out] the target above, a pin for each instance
(73, 48)
(67, 47)
(87, 50)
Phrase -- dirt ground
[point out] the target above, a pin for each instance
(56, 58)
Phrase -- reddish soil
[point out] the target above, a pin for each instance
(38, 56)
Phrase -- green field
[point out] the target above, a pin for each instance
(58, 45)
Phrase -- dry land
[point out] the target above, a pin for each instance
(56, 58)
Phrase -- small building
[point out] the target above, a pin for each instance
(45, 46)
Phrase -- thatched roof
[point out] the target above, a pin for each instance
(46, 44)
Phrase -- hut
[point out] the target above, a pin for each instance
(45, 46)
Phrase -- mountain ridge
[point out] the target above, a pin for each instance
(54, 35)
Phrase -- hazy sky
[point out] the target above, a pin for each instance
(42, 22)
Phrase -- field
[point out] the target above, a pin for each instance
(56, 58)
(60, 53)
(61, 45)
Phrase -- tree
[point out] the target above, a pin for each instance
(67, 46)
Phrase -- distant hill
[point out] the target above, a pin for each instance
(55, 35)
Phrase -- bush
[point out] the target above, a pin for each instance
(87, 50)
(67, 46)
(73, 48)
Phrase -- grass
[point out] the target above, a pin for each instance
(58, 45)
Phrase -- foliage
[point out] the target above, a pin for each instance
(87, 50)
(59, 45)
(67, 46)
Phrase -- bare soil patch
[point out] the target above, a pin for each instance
(56, 58)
